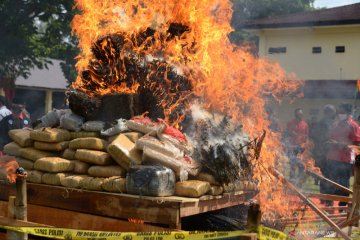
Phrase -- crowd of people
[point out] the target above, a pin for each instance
(332, 137)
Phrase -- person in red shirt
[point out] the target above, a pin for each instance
(340, 157)
(297, 135)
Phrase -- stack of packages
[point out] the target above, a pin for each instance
(137, 156)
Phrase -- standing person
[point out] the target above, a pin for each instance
(297, 135)
(21, 116)
(339, 158)
(4, 111)
(320, 135)
(5, 114)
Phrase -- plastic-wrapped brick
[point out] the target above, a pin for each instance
(150, 181)
(50, 135)
(124, 152)
(106, 171)
(54, 164)
(94, 157)
(21, 137)
(192, 188)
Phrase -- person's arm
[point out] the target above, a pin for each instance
(355, 134)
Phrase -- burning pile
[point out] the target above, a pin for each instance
(166, 55)
(153, 84)
(137, 156)
(171, 54)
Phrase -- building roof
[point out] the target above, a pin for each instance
(51, 78)
(349, 14)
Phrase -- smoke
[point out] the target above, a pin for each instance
(220, 145)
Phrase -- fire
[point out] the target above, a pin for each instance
(190, 38)
(9, 165)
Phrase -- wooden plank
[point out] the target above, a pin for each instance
(18, 223)
(248, 236)
(21, 204)
(175, 199)
(335, 184)
(98, 203)
(329, 197)
(69, 219)
(230, 200)
(11, 215)
(162, 210)
(310, 203)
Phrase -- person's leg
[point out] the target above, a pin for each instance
(331, 173)
(318, 161)
(292, 160)
(301, 177)
(345, 170)
(324, 186)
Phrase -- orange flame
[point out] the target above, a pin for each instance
(225, 77)
(9, 164)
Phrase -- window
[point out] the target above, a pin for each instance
(340, 49)
(277, 50)
(316, 50)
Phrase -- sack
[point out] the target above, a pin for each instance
(181, 144)
(52, 119)
(114, 184)
(91, 183)
(106, 171)
(158, 158)
(143, 124)
(50, 135)
(150, 181)
(71, 121)
(51, 146)
(124, 152)
(21, 137)
(73, 181)
(54, 164)
(12, 149)
(88, 143)
(80, 167)
(34, 154)
(69, 154)
(24, 163)
(156, 145)
(93, 157)
(192, 188)
(216, 190)
(75, 135)
(34, 176)
(207, 178)
(93, 126)
(53, 178)
(119, 127)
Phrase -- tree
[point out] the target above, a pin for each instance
(245, 10)
(32, 31)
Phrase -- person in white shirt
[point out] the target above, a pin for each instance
(4, 111)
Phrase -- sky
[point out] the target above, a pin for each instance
(333, 3)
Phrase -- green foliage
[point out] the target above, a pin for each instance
(32, 31)
(245, 10)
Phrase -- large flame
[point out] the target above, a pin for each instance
(226, 78)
